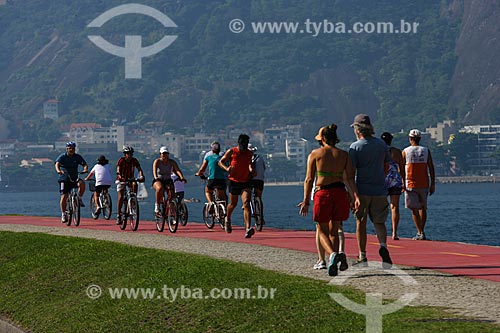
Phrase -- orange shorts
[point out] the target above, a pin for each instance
(331, 205)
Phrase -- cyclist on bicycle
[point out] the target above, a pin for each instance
(125, 170)
(257, 181)
(163, 167)
(67, 167)
(102, 179)
(216, 175)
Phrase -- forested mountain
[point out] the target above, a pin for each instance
(211, 78)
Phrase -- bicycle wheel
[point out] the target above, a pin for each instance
(182, 215)
(222, 215)
(258, 213)
(124, 215)
(93, 208)
(76, 210)
(107, 204)
(133, 209)
(160, 219)
(208, 218)
(172, 216)
(69, 210)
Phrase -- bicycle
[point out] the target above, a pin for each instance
(72, 211)
(104, 202)
(130, 207)
(182, 211)
(168, 211)
(256, 210)
(214, 211)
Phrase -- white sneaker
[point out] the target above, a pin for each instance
(157, 209)
(321, 264)
(63, 218)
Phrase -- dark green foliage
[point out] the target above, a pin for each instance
(216, 78)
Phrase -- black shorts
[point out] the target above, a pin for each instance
(66, 186)
(164, 182)
(236, 188)
(258, 184)
(99, 188)
(219, 183)
(394, 190)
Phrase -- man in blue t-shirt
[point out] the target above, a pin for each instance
(216, 175)
(67, 167)
(369, 155)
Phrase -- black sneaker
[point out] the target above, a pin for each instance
(343, 262)
(250, 232)
(227, 226)
(386, 258)
(332, 267)
(360, 263)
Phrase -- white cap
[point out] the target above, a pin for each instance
(163, 150)
(415, 133)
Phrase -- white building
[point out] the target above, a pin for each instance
(297, 151)
(51, 109)
(276, 136)
(488, 141)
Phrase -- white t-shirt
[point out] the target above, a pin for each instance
(178, 184)
(102, 174)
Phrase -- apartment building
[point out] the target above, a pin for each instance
(488, 141)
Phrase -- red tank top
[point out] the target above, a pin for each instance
(240, 162)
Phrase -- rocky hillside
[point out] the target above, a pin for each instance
(212, 79)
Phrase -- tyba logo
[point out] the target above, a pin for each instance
(133, 52)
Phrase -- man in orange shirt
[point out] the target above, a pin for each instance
(419, 168)
(240, 173)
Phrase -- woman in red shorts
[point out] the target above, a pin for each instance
(329, 166)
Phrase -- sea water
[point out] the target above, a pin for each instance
(467, 213)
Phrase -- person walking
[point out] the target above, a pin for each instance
(419, 181)
(239, 170)
(369, 155)
(329, 166)
(394, 181)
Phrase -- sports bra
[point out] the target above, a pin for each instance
(338, 174)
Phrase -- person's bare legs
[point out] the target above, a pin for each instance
(319, 247)
(395, 215)
(361, 236)
(415, 214)
(245, 198)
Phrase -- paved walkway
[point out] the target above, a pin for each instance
(476, 261)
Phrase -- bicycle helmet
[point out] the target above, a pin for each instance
(128, 149)
(70, 144)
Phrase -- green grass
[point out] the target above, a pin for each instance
(43, 282)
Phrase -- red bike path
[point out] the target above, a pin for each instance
(475, 261)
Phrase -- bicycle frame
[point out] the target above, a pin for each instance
(104, 201)
(168, 210)
(256, 210)
(130, 207)
(218, 212)
(73, 202)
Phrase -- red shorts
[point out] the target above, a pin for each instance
(331, 205)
